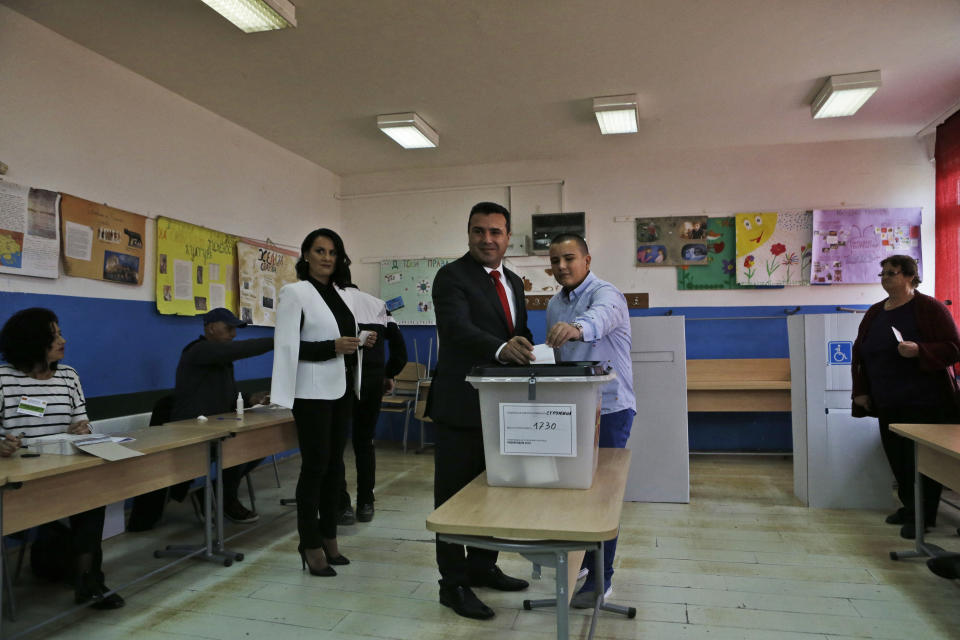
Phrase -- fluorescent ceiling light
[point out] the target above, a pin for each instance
(844, 95)
(616, 114)
(256, 15)
(408, 130)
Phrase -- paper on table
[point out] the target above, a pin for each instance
(543, 354)
(107, 450)
(897, 334)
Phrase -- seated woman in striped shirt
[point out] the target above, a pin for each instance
(39, 396)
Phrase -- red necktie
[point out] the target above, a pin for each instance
(503, 299)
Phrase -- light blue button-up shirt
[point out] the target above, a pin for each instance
(602, 311)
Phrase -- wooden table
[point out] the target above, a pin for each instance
(936, 454)
(543, 525)
(256, 434)
(49, 487)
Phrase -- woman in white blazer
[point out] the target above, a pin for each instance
(316, 372)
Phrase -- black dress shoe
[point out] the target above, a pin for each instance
(465, 603)
(494, 578)
(346, 517)
(946, 566)
(899, 517)
(365, 512)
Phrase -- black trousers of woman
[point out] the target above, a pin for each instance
(322, 433)
(899, 452)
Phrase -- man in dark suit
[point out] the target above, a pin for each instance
(481, 318)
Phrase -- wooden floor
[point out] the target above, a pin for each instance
(742, 560)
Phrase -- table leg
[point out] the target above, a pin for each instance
(218, 546)
(921, 548)
(563, 599)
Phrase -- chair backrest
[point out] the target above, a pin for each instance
(162, 409)
(420, 410)
(408, 378)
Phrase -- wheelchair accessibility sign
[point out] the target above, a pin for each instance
(839, 352)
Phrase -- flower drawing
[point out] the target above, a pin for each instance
(748, 264)
(778, 249)
(728, 267)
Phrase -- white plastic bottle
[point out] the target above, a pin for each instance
(239, 404)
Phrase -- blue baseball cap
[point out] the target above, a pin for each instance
(223, 315)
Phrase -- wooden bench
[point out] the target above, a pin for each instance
(757, 384)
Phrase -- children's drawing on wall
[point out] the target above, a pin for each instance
(848, 244)
(536, 273)
(670, 241)
(407, 287)
(719, 270)
(774, 249)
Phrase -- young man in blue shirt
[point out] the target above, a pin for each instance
(588, 320)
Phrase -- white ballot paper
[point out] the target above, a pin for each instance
(543, 354)
(105, 447)
(538, 429)
(897, 334)
(66, 444)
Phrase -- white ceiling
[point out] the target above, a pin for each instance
(512, 80)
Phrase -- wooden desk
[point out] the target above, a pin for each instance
(542, 524)
(43, 489)
(936, 454)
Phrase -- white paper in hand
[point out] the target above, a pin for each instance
(543, 354)
(897, 334)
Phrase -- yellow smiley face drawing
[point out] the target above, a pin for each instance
(753, 229)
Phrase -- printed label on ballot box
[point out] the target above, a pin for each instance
(538, 429)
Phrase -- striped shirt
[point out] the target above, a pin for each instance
(62, 393)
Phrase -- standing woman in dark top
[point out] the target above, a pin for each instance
(908, 381)
(316, 373)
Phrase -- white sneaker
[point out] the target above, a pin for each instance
(587, 599)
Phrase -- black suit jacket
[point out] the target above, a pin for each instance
(472, 326)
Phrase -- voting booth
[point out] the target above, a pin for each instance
(540, 423)
(838, 461)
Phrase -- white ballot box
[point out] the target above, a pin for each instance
(540, 423)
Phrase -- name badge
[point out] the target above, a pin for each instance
(32, 406)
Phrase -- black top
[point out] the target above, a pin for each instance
(325, 349)
(375, 360)
(896, 381)
(205, 383)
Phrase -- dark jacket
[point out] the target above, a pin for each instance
(471, 327)
(939, 347)
(205, 384)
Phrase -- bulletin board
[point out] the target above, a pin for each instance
(196, 268)
(102, 243)
(407, 288)
(264, 269)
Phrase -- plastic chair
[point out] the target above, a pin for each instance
(403, 398)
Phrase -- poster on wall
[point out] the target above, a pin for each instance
(671, 241)
(773, 249)
(407, 288)
(849, 244)
(263, 270)
(195, 268)
(536, 274)
(720, 272)
(102, 243)
(29, 231)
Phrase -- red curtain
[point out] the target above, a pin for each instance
(947, 286)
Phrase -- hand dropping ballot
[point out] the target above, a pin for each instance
(897, 334)
(543, 354)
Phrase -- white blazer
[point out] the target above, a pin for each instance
(293, 378)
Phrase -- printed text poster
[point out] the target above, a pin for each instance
(264, 269)
(29, 231)
(195, 269)
(102, 243)
(773, 249)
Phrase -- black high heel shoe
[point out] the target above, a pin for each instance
(339, 560)
(326, 572)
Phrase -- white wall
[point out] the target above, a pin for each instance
(73, 121)
(716, 182)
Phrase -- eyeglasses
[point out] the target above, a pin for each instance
(889, 273)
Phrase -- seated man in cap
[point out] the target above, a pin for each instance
(205, 386)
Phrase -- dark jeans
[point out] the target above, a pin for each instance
(322, 432)
(458, 459)
(366, 412)
(899, 452)
(614, 433)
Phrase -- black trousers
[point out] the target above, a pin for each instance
(458, 459)
(366, 412)
(899, 452)
(322, 433)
